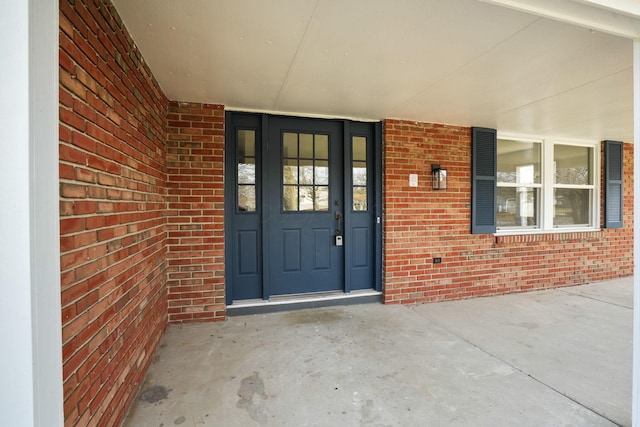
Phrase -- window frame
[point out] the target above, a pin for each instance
(547, 187)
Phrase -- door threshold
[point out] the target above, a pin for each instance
(302, 301)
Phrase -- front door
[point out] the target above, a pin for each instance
(302, 204)
(305, 210)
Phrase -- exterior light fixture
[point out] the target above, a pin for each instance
(438, 178)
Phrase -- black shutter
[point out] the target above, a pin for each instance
(613, 152)
(483, 185)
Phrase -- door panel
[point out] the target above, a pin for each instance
(291, 244)
(247, 252)
(322, 251)
(360, 254)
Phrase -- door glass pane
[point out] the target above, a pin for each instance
(306, 198)
(572, 206)
(571, 164)
(322, 147)
(322, 198)
(322, 172)
(360, 148)
(359, 198)
(290, 145)
(306, 146)
(247, 171)
(359, 172)
(247, 198)
(306, 172)
(290, 171)
(246, 143)
(290, 198)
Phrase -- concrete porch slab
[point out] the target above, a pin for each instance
(557, 357)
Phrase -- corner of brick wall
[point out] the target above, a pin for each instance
(195, 216)
(421, 224)
(112, 207)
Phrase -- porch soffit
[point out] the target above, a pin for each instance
(618, 17)
(559, 68)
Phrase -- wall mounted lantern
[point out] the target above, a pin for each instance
(438, 178)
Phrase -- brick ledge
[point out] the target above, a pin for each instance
(549, 237)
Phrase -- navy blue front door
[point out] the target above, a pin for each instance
(306, 206)
(302, 206)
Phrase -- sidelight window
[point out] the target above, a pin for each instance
(359, 171)
(246, 155)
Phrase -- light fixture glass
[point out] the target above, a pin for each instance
(438, 178)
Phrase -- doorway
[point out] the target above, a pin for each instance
(303, 206)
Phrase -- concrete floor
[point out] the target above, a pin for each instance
(550, 358)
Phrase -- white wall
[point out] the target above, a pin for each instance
(30, 329)
(635, 404)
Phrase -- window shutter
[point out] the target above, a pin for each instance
(483, 185)
(613, 176)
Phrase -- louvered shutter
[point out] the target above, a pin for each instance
(613, 177)
(483, 175)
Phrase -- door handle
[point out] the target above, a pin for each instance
(338, 216)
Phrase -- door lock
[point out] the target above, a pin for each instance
(338, 240)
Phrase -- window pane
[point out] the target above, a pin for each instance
(322, 172)
(290, 198)
(359, 198)
(306, 172)
(571, 207)
(519, 162)
(322, 198)
(306, 146)
(359, 173)
(517, 207)
(290, 171)
(572, 164)
(247, 198)
(306, 198)
(247, 171)
(322, 147)
(246, 143)
(290, 145)
(359, 148)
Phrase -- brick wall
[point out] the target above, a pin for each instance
(195, 243)
(421, 224)
(112, 205)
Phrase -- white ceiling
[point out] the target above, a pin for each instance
(463, 62)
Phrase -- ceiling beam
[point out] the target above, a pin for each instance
(617, 17)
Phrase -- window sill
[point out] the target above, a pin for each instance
(521, 236)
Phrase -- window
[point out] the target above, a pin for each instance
(519, 183)
(545, 185)
(246, 163)
(359, 171)
(305, 172)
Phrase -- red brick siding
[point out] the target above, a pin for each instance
(421, 224)
(195, 241)
(112, 205)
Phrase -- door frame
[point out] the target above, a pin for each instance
(262, 120)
